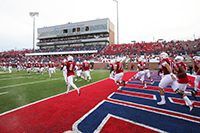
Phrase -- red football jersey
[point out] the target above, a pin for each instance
(79, 66)
(119, 67)
(184, 78)
(140, 66)
(29, 65)
(36, 65)
(9, 64)
(70, 68)
(42, 65)
(146, 66)
(195, 67)
(111, 67)
(86, 66)
(51, 65)
(168, 61)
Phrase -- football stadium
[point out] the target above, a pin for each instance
(78, 78)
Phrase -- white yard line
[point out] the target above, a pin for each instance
(15, 78)
(28, 83)
(3, 93)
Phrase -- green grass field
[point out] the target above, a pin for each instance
(19, 89)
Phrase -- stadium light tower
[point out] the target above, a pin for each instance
(117, 22)
(33, 15)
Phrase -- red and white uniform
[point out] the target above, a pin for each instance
(112, 71)
(51, 68)
(64, 69)
(183, 80)
(146, 69)
(10, 67)
(167, 79)
(196, 67)
(42, 66)
(79, 70)
(141, 73)
(86, 68)
(70, 68)
(25, 65)
(29, 65)
(36, 67)
(4, 66)
(119, 71)
(70, 75)
(197, 78)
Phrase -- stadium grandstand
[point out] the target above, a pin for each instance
(94, 41)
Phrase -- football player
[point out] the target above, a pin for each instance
(119, 73)
(140, 75)
(147, 72)
(79, 71)
(70, 64)
(170, 78)
(86, 68)
(197, 72)
(182, 76)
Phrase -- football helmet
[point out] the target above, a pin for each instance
(179, 59)
(196, 58)
(164, 55)
(64, 60)
(140, 59)
(117, 60)
(70, 58)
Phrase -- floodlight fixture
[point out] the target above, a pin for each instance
(33, 15)
(117, 22)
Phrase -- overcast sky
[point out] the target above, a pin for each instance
(140, 20)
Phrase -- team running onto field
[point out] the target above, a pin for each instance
(174, 74)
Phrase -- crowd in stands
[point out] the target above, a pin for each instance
(108, 52)
(153, 47)
(74, 38)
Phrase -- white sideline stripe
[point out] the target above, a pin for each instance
(3, 93)
(14, 78)
(28, 83)
(47, 98)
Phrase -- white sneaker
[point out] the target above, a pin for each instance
(161, 103)
(120, 88)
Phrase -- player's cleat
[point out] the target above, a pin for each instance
(194, 94)
(152, 82)
(79, 93)
(144, 87)
(191, 107)
(120, 88)
(75, 80)
(161, 103)
(123, 82)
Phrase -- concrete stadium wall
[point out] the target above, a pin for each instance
(152, 65)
